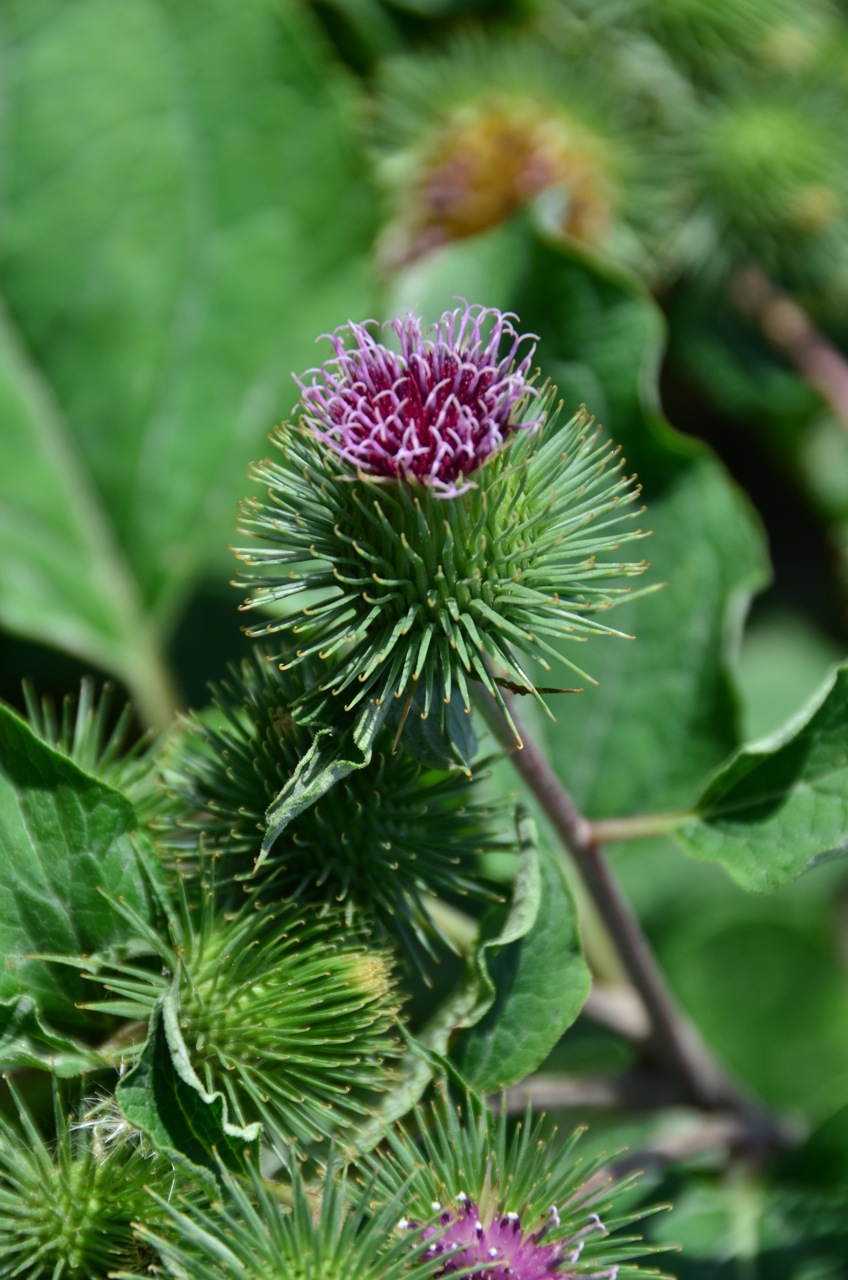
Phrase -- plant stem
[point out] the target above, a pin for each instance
(791, 331)
(674, 1041)
(153, 687)
(641, 826)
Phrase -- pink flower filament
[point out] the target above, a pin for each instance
(502, 1250)
(436, 410)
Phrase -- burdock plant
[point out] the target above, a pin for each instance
(431, 530)
(429, 523)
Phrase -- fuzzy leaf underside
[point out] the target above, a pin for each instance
(780, 807)
(164, 1099)
(64, 846)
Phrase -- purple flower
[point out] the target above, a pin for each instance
(502, 1250)
(435, 411)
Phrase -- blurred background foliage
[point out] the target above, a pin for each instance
(191, 191)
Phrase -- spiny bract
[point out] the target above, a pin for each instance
(376, 845)
(248, 1234)
(68, 1210)
(418, 580)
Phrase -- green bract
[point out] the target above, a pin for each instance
(717, 35)
(87, 733)
(248, 1234)
(409, 589)
(375, 845)
(766, 178)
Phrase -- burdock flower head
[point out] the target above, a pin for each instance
(508, 1207)
(439, 519)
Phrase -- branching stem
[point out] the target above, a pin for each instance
(674, 1041)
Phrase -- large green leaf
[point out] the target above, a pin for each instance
(665, 710)
(64, 844)
(779, 807)
(62, 576)
(182, 211)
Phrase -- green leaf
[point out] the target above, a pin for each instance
(518, 1024)
(164, 1099)
(783, 661)
(779, 807)
(169, 248)
(63, 577)
(25, 1041)
(537, 983)
(335, 752)
(64, 844)
(467, 1004)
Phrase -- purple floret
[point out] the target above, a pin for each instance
(434, 411)
(503, 1250)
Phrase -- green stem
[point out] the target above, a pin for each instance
(642, 826)
(153, 687)
(791, 331)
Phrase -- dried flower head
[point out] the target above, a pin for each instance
(418, 580)
(488, 125)
(516, 1207)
